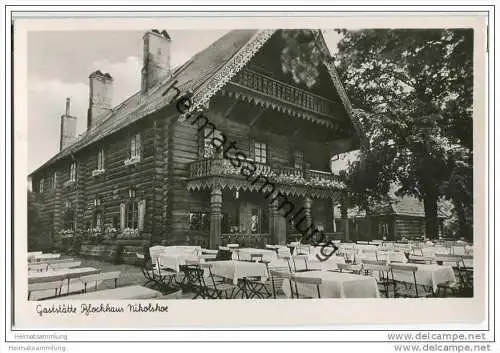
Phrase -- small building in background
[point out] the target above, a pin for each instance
(403, 217)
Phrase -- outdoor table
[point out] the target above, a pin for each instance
(234, 270)
(433, 250)
(63, 265)
(120, 293)
(38, 258)
(383, 255)
(173, 261)
(429, 275)
(313, 263)
(336, 285)
(34, 253)
(244, 254)
(63, 274)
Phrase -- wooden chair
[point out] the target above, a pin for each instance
(256, 257)
(278, 276)
(100, 277)
(299, 259)
(370, 266)
(467, 272)
(216, 287)
(417, 251)
(147, 270)
(224, 254)
(56, 286)
(417, 259)
(306, 280)
(406, 269)
(349, 268)
(194, 280)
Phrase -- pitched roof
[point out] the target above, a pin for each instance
(404, 206)
(204, 74)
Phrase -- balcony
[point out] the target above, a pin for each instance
(285, 93)
(219, 167)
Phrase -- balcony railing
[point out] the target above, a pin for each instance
(278, 174)
(285, 92)
(248, 240)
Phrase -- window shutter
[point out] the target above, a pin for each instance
(122, 216)
(142, 212)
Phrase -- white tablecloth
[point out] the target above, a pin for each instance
(337, 285)
(51, 276)
(427, 275)
(173, 261)
(244, 254)
(313, 263)
(387, 256)
(235, 270)
(129, 292)
(40, 257)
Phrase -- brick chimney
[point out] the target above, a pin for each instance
(68, 127)
(100, 96)
(156, 58)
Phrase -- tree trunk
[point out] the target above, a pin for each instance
(431, 216)
(343, 214)
(464, 226)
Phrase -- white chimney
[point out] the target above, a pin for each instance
(68, 128)
(156, 58)
(100, 97)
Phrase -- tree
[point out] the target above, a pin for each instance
(34, 223)
(415, 89)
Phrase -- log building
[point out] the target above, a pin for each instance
(143, 172)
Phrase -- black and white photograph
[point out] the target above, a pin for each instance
(269, 164)
(207, 170)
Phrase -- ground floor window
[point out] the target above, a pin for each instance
(132, 215)
(199, 222)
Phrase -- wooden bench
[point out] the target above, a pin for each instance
(33, 287)
(99, 278)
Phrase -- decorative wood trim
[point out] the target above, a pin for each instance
(230, 68)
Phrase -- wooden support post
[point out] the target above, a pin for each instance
(215, 217)
(277, 224)
(307, 211)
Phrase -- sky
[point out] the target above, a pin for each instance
(59, 63)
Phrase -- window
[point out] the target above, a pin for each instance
(259, 221)
(260, 152)
(132, 214)
(98, 219)
(69, 217)
(100, 159)
(298, 160)
(52, 181)
(208, 136)
(40, 188)
(135, 146)
(72, 172)
(199, 221)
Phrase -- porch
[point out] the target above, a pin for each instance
(252, 218)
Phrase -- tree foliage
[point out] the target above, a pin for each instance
(413, 91)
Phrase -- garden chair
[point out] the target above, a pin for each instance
(407, 269)
(370, 266)
(308, 281)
